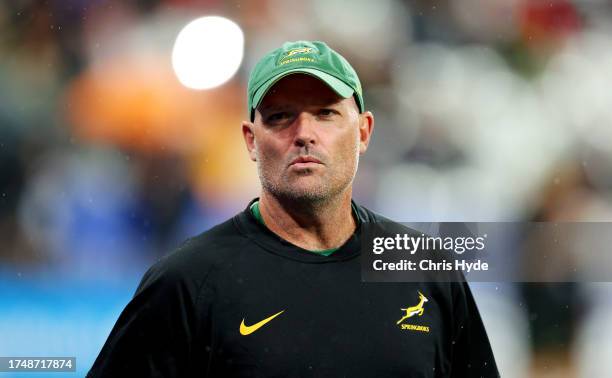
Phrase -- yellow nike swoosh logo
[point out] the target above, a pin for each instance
(247, 330)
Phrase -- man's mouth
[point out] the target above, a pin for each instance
(305, 161)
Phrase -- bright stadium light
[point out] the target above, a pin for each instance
(207, 52)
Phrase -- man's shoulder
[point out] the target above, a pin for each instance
(223, 237)
(377, 222)
(196, 256)
(368, 216)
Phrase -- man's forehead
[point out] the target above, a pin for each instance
(276, 101)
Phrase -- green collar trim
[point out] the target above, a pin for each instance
(257, 214)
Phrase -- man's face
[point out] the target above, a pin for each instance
(306, 139)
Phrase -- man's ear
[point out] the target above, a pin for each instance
(249, 139)
(366, 128)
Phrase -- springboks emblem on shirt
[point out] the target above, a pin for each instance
(415, 310)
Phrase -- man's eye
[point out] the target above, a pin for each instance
(275, 117)
(326, 112)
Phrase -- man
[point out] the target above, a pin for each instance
(276, 290)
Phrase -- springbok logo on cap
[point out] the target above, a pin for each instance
(300, 50)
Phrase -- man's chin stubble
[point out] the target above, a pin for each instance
(312, 193)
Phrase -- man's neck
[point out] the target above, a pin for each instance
(310, 226)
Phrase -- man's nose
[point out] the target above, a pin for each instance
(305, 129)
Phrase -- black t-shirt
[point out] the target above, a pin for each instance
(238, 301)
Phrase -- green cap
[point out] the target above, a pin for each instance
(307, 57)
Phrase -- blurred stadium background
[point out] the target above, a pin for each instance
(486, 110)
